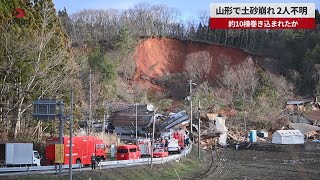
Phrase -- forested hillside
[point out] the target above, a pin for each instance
(296, 49)
(47, 53)
(35, 59)
(295, 53)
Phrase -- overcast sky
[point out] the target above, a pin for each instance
(188, 8)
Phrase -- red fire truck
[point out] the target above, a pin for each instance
(180, 137)
(82, 149)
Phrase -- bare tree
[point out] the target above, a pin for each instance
(281, 86)
(198, 65)
(126, 68)
(143, 20)
(241, 79)
(223, 96)
(204, 16)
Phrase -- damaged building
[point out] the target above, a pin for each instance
(124, 119)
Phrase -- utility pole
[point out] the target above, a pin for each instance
(136, 121)
(60, 129)
(245, 127)
(90, 97)
(190, 89)
(71, 123)
(199, 131)
(104, 124)
(153, 129)
(106, 115)
(104, 119)
(190, 86)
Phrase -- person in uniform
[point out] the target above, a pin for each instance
(93, 161)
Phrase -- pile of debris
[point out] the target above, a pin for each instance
(310, 131)
(214, 131)
(237, 136)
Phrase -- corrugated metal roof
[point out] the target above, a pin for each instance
(295, 102)
(301, 101)
(118, 105)
(313, 116)
(304, 128)
(129, 120)
(126, 116)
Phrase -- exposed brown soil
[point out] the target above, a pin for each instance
(265, 161)
(156, 57)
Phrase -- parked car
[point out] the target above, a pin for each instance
(160, 153)
(173, 146)
(157, 146)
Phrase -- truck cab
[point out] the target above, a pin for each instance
(36, 158)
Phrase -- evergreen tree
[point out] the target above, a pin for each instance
(200, 32)
(125, 43)
(313, 56)
(66, 21)
(101, 63)
(33, 58)
(192, 33)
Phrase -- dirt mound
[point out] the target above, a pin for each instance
(156, 57)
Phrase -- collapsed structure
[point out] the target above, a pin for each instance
(214, 131)
(217, 125)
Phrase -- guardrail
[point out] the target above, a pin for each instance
(36, 168)
(104, 164)
(144, 161)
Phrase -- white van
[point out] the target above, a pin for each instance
(173, 146)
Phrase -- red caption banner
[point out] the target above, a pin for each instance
(262, 16)
(262, 23)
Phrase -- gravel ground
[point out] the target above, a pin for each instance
(266, 161)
